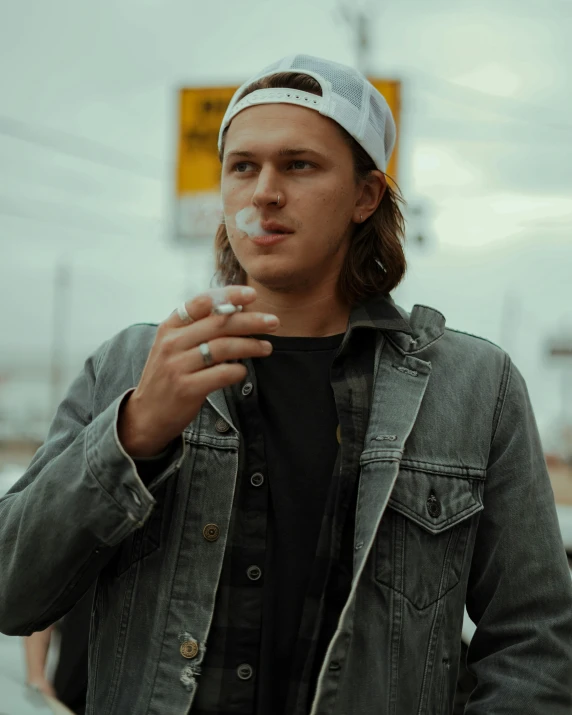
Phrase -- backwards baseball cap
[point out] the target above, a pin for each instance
(347, 97)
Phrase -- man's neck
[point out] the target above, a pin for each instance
(316, 313)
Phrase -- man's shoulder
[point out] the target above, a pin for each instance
(133, 339)
(468, 372)
(471, 362)
(126, 352)
(431, 333)
(466, 341)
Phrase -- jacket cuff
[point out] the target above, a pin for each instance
(115, 471)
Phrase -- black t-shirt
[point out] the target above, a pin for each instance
(299, 421)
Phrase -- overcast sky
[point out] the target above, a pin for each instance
(87, 147)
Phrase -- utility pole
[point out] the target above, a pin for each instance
(60, 319)
(358, 18)
(362, 42)
(509, 322)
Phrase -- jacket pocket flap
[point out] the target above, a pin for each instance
(435, 501)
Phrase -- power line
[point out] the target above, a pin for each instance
(503, 136)
(81, 148)
(33, 181)
(10, 209)
(88, 212)
(476, 97)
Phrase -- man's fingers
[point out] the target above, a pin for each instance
(202, 305)
(216, 326)
(214, 378)
(224, 350)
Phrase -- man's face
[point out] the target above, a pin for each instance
(288, 151)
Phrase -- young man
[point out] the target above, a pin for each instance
(287, 507)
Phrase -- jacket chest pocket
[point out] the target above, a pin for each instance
(422, 539)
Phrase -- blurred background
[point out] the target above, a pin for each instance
(104, 217)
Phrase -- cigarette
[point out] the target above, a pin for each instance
(226, 309)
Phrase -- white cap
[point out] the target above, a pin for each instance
(347, 97)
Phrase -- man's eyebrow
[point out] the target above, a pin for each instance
(281, 152)
(296, 152)
(246, 154)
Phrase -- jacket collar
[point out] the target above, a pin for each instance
(379, 312)
(409, 332)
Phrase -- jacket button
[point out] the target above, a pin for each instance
(247, 389)
(211, 532)
(257, 479)
(253, 573)
(189, 649)
(433, 505)
(244, 671)
(222, 425)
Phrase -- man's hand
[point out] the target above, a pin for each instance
(175, 381)
(42, 685)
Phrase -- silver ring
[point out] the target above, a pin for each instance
(206, 353)
(277, 199)
(183, 314)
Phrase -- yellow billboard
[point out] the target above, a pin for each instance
(391, 90)
(201, 111)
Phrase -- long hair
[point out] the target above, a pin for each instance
(375, 261)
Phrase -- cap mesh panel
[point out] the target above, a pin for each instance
(343, 83)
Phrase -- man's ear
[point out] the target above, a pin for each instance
(373, 187)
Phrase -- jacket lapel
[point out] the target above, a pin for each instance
(399, 386)
(400, 380)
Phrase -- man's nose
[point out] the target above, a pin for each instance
(267, 191)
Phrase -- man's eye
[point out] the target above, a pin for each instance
(299, 164)
(241, 167)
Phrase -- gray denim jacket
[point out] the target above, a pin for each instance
(455, 506)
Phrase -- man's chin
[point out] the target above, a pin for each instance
(279, 280)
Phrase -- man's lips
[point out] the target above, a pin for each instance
(274, 227)
(269, 239)
(274, 232)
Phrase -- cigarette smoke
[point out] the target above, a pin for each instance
(248, 222)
